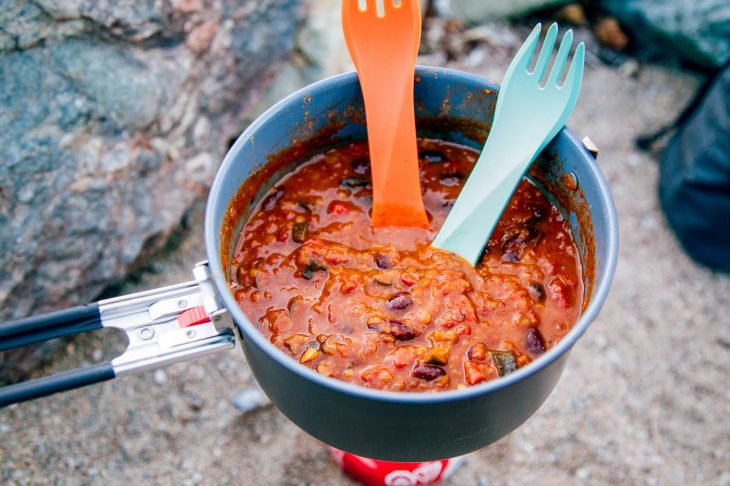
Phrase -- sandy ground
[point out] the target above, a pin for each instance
(641, 400)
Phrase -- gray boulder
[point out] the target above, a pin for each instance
(695, 30)
(114, 116)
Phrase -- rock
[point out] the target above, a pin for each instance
(160, 376)
(113, 116)
(478, 11)
(694, 31)
(630, 68)
(609, 33)
(320, 51)
(572, 13)
(87, 91)
(251, 399)
(446, 38)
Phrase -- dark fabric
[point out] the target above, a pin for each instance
(695, 178)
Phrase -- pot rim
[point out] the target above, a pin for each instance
(250, 332)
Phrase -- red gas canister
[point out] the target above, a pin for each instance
(371, 472)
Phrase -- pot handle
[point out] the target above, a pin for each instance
(36, 329)
(163, 326)
(41, 387)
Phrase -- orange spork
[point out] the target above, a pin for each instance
(383, 37)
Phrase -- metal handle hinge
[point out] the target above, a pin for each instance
(157, 332)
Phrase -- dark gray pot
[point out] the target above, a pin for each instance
(413, 426)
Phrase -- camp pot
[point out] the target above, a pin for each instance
(200, 317)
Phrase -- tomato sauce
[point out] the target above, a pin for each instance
(383, 309)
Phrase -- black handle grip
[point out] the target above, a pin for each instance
(43, 327)
(36, 329)
(49, 385)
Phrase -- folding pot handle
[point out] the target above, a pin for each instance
(163, 326)
(40, 328)
(49, 385)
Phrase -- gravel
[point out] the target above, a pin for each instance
(641, 400)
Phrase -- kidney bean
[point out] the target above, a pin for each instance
(427, 372)
(432, 156)
(534, 342)
(402, 332)
(383, 261)
(515, 244)
(400, 301)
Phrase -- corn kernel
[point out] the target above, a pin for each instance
(309, 355)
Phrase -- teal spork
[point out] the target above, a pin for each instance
(526, 118)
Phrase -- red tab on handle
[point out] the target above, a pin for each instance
(193, 317)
